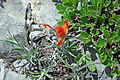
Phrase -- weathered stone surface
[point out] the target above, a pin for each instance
(7, 74)
(18, 66)
(2, 70)
(44, 11)
(13, 14)
(11, 19)
(10, 75)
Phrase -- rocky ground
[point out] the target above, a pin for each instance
(12, 19)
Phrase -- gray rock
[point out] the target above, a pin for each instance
(44, 11)
(18, 66)
(2, 70)
(6, 53)
(10, 75)
(12, 20)
(13, 14)
(7, 74)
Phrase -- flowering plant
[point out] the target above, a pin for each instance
(61, 32)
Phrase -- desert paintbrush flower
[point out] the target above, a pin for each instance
(61, 32)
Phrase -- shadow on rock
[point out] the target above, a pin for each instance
(108, 71)
(92, 52)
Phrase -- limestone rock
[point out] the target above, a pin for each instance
(2, 70)
(11, 19)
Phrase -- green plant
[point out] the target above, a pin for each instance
(41, 68)
(77, 68)
(38, 67)
(95, 23)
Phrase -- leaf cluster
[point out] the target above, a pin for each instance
(95, 23)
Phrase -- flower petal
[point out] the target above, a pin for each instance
(49, 27)
(60, 42)
(60, 32)
(65, 26)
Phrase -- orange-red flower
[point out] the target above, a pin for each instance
(61, 32)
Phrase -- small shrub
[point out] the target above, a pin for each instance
(98, 24)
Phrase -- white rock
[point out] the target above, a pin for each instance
(10, 75)
(2, 70)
